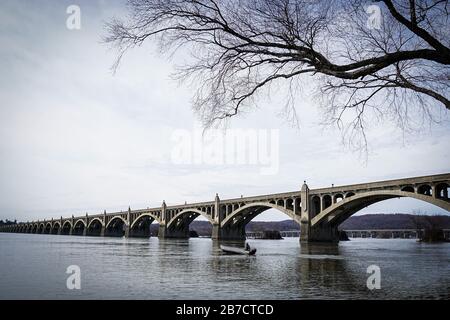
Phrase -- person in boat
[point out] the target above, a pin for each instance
(247, 247)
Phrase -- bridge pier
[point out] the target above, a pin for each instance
(323, 233)
(139, 233)
(305, 214)
(327, 233)
(308, 233)
(215, 234)
(304, 231)
(175, 233)
(162, 231)
(236, 233)
(230, 232)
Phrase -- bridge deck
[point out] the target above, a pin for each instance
(291, 194)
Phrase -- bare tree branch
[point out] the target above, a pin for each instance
(240, 47)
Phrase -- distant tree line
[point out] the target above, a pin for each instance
(396, 221)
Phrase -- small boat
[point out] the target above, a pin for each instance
(234, 250)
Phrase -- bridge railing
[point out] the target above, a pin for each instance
(384, 184)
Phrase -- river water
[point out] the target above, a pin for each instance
(33, 266)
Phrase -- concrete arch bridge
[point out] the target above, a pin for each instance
(318, 211)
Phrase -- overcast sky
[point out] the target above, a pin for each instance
(75, 138)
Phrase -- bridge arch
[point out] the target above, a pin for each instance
(143, 216)
(339, 212)
(66, 227)
(94, 227)
(140, 227)
(116, 227)
(246, 213)
(78, 227)
(185, 217)
(48, 228)
(94, 221)
(55, 228)
(34, 228)
(114, 220)
(233, 226)
(41, 228)
(178, 225)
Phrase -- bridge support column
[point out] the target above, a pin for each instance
(166, 233)
(178, 233)
(162, 231)
(85, 230)
(236, 233)
(103, 230)
(320, 233)
(304, 231)
(305, 219)
(226, 233)
(162, 226)
(139, 233)
(215, 235)
(126, 231)
(72, 226)
(127, 225)
(326, 233)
